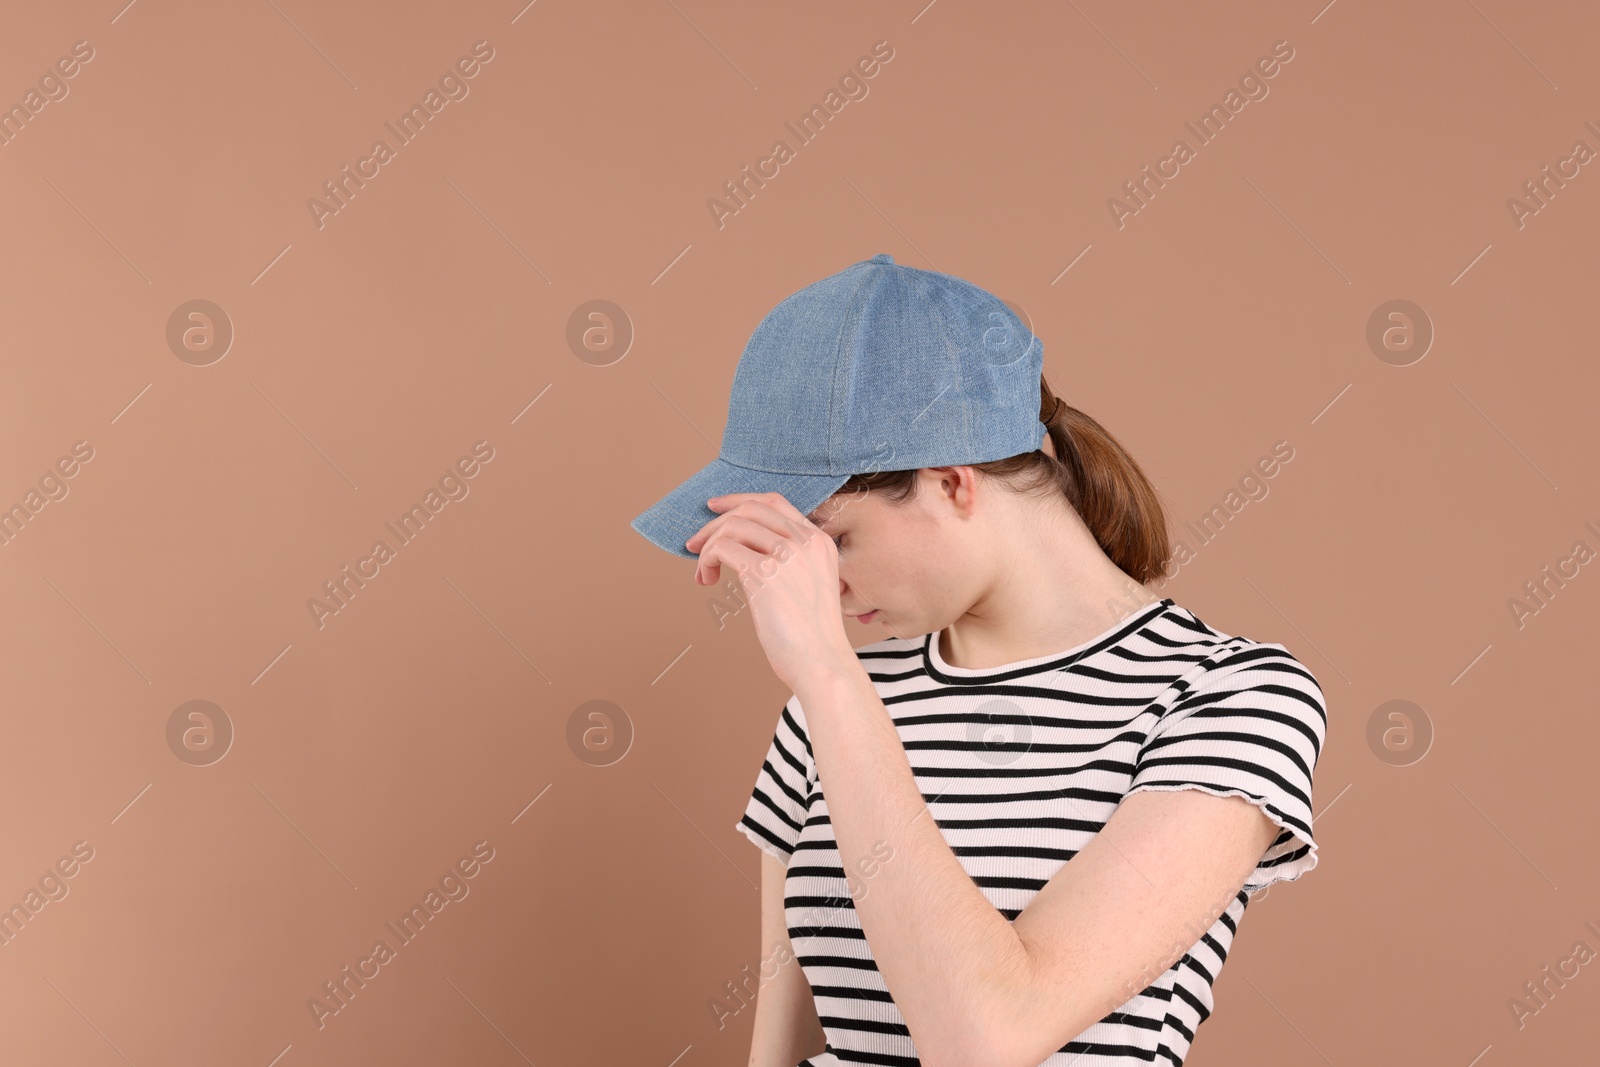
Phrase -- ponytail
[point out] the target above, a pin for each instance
(1107, 489)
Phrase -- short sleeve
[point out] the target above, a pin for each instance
(776, 811)
(1252, 726)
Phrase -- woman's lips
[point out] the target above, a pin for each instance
(868, 617)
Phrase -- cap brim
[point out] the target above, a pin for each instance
(679, 515)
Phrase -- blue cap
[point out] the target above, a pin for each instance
(880, 367)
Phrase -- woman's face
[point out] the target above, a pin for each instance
(910, 564)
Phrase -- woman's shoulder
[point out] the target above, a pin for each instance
(1223, 647)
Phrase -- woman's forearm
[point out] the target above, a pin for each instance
(939, 943)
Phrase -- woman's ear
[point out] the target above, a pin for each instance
(1049, 446)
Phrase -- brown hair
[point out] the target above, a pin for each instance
(1099, 479)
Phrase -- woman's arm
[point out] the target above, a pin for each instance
(973, 987)
(787, 1029)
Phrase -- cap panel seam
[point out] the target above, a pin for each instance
(770, 470)
(937, 311)
(835, 432)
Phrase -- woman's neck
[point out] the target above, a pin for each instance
(1053, 594)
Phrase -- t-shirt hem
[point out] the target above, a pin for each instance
(762, 843)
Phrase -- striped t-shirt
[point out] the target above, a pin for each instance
(1020, 766)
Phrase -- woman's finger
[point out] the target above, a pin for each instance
(774, 511)
(776, 501)
(730, 551)
(741, 530)
(752, 510)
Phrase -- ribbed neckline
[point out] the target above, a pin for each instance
(941, 671)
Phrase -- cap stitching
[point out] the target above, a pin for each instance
(938, 309)
(845, 320)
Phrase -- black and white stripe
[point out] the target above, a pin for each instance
(1021, 765)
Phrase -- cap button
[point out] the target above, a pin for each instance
(881, 257)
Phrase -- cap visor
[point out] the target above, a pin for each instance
(679, 515)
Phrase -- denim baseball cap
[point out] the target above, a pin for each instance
(879, 367)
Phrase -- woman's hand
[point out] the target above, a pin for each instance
(788, 570)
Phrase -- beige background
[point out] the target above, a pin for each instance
(431, 312)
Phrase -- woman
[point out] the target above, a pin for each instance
(1105, 777)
